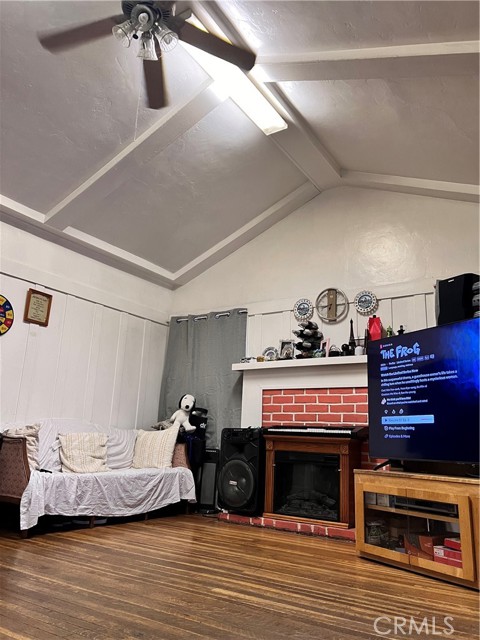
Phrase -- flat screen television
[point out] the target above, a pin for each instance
(423, 394)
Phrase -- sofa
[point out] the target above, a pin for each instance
(84, 470)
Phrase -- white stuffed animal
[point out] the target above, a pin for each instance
(181, 417)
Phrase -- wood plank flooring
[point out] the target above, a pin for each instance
(192, 577)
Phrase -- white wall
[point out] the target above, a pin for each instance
(101, 356)
(396, 245)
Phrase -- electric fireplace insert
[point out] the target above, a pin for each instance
(307, 485)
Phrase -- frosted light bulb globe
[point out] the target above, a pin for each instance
(147, 48)
(124, 32)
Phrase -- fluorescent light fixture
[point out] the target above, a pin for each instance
(231, 82)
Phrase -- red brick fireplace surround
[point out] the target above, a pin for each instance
(330, 407)
(295, 406)
(342, 407)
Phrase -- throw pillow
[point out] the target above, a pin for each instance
(30, 433)
(154, 449)
(120, 448)
(83, 452)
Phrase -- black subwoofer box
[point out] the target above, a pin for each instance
(207, 484)
(241, 474)
(455, 298)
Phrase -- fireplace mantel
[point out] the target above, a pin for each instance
(313, 373)
(301, 363)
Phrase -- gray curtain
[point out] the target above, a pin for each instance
(200, 353)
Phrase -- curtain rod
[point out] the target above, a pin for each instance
(220, 314)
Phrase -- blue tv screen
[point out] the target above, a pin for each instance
(423, 394)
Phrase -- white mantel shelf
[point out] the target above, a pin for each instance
(302, 362)
(308, 373)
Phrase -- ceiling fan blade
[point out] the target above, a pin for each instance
(216, 46)
(66, 39)
(154, 83)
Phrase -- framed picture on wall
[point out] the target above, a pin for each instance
(287, 349)
(37, 307)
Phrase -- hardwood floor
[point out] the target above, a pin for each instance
(191, 576)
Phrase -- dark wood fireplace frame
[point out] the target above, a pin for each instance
(349, 451)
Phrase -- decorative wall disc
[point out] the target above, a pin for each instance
(366, 302)
(303, 309)
(6, 315)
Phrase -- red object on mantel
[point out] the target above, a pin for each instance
(374, 328)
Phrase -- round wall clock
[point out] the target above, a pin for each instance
(366, 302)
(332, 305)
(303, 309)
(6, 315)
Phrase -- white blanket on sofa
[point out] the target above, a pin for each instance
(122, 492)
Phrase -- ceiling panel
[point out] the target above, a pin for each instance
(181, 180)
(416, 127)
(292, 27)
(64, 116)
(211, 181)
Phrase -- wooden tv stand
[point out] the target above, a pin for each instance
(394, 510)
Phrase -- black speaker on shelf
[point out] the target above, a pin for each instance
(207, 484)
(198, 418)
(241, 474)
(455, 298)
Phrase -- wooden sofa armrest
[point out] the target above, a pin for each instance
(14, 469)
(180, 457)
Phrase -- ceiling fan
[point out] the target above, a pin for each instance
(158, 29)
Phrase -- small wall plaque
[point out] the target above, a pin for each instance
(37, 307)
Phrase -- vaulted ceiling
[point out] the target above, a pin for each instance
(382, 95)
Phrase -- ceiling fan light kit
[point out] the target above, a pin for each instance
(157, 27)
(146, 23)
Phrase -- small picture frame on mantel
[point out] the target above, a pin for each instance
(325, 347)
(37, 307)
(287, 349)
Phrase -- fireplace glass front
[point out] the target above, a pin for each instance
(307, 485)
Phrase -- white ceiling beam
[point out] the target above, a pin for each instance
(121, 254)
(307, 154)
(114, 173)
(302, 147)
(297, 142)
(91, 248)
(249, 231)
(106, 253)
(419, 60)
(415, 186)
(19, 210)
